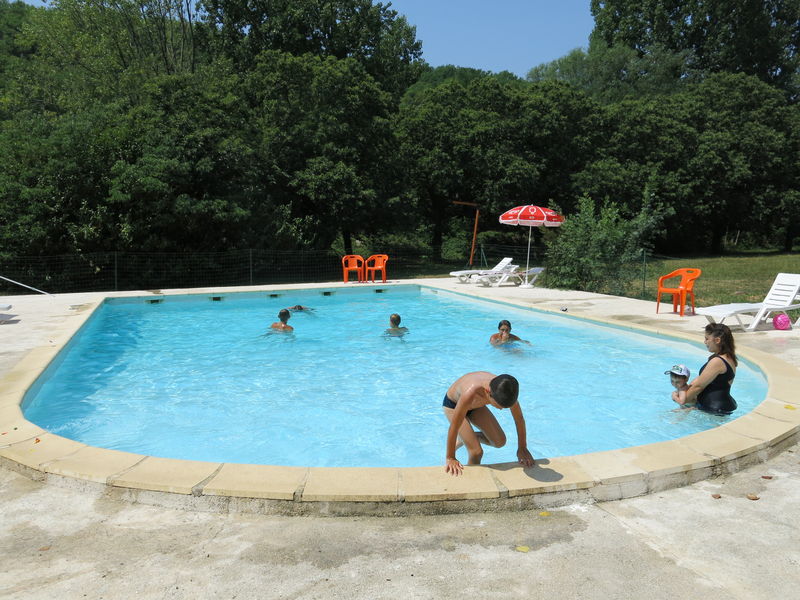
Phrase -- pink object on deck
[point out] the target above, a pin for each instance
(782, 321)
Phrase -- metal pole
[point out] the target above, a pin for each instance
(251, 266)
(116, 284)
(26, 286)
(474, 236)
(644, 270)
(527, 261)
(474, 229)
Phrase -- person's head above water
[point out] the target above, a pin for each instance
(678, 375)
(721, 340)
(394, 320)
(284, 315)
(504, 390)
(504, 325)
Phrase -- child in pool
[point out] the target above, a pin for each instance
(299, 308)
(504, 335)
(281, 324)
(679, 378)
(466, 404)
(394, 329)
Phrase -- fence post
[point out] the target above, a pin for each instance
(644, 270)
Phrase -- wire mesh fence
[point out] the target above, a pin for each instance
(113, 271)
(119, 271)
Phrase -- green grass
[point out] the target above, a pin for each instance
(739, 278)
(744, 277)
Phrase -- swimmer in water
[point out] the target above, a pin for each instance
(282, 323)
(394, 329)
(300, 308)
(504, 335)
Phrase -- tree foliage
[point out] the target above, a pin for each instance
(754, 37)
(599, 248)
(374, 35)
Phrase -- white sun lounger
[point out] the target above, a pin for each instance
(502, 266)
(3, 309)
(516, 277)
(782, 296)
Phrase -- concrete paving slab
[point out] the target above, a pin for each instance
(166, 475)
(346, 484)
(42, 448)
(548, 475)
(93, 464)
(425, 484)
(256, 481)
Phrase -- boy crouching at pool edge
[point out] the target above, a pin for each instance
(466, 405)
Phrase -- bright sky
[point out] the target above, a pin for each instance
(504, 35)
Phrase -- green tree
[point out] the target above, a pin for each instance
(743, 166)
(599, 249)
(157, 175)
(494, 144)
(374, 35)
(323, 130)
(709, 160)
(755, 37)
(614, 73)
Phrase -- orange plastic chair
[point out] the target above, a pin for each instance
(376, 262)
(353, 262)
(684, 289)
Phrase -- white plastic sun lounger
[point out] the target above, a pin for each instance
(516, 277)
(4, 308)
(502, 266)
(782, 296)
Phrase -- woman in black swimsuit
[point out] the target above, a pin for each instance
(711, 390)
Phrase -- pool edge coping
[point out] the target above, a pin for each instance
(770, 427)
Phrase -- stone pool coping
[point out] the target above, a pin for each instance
(611, 475)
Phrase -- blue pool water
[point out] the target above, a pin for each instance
(196, 379)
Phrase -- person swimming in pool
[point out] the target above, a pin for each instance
(394, 329)
(466, 404)
(504, 335)
(711, 389)
(282, 323)
(299, 308)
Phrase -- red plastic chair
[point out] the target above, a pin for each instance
(684, 289)
(353, 262)
(375, 263)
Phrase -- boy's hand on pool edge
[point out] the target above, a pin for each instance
(454, 467)
(525, 457)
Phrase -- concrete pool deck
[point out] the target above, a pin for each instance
(62, 541)
(555, 481)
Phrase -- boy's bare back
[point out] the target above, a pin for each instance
(472, 386)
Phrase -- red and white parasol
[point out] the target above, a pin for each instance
(531, 216)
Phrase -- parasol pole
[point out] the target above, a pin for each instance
(528, 260)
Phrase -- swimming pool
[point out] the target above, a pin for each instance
(192, 377)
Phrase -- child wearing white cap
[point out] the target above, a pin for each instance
(679, 378)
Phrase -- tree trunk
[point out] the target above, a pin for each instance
(348, 241)
(436, 241)
(788, 240)
(716, 240)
